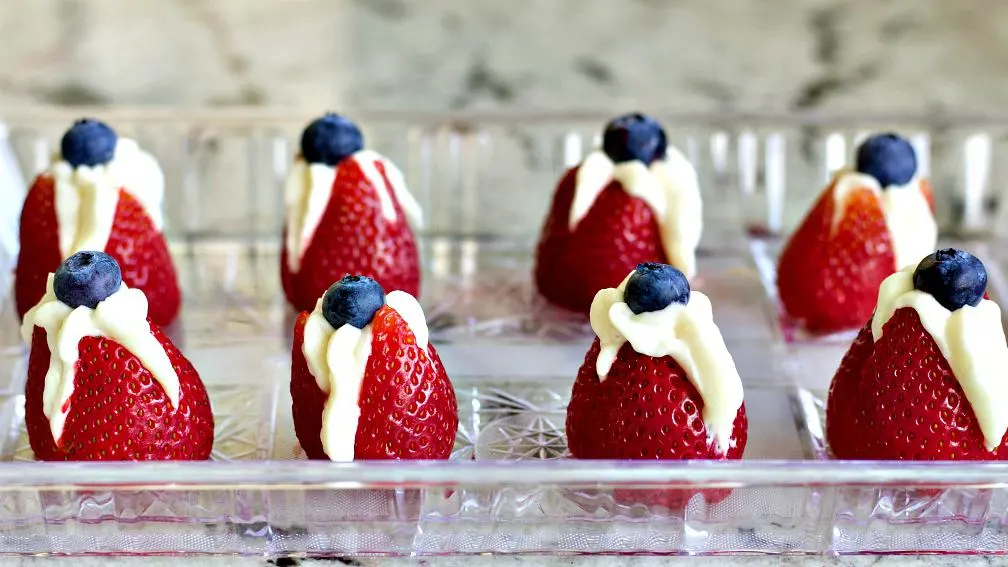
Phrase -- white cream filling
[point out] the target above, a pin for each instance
(688, 334)
(309, 186)
(912, 227)
(971, 339)
(670, 189)
(86, 197)
(122, 317)
(306, 194)
(337, 358)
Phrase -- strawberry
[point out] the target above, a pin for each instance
(632, 398)
(646, 408)
(845, 397)
(917, 410)
(633, 201)
(829, 271)
(113, 406)
(407, 404)
(829, 278)
(308, 400)
(142, 252)
(616, 234)
(118, 411)
(134, 242)
(40, 253)
(353, 235)
(898, 397)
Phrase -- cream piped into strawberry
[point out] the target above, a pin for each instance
(348, 210)
(103, 382)
(872, 220)
(102, 192)
(925, 379)
(634, 200)
(87, 192)
(659, 382)
(365, 382)
(668, 185)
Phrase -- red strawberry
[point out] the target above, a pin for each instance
(916, 408)
(353, 237)
(135, 243)
(646, 408)
(408, 406)
(830, 279)
(618, 233)
(40, 253)
(118, 411)
(845, 397)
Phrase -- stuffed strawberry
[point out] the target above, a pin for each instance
(365, 382)
(103, 193)
(348, 212)
(658, 382)
(636, 200)
(105, 384)
(867, 224)
(925, 380)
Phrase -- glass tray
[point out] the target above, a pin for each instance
(510, 487)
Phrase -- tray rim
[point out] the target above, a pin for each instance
(292, 474)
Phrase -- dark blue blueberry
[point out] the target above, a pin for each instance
(353, 300)
(634, 137)
(953, 277)
(88, 142)
(330, 139)
(888, 158)
(87, 278)
(653, 287)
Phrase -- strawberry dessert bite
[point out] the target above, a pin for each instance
(348, 212)
(104, 383)
(925, 379)
(871, 221)
(101, 193)
(365, 382)
(635, 200)
(658, 382)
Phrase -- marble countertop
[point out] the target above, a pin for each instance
(720, 55)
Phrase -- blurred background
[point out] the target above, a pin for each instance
(930, 56)
(296, 58)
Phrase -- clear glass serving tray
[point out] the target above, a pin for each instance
(485, 182)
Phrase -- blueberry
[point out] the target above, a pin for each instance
(353, 300)
(86, 278)
(888, 158)
(653, 287)
(330, 139)
(634, 137)
(88, 142)
(953, 277)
